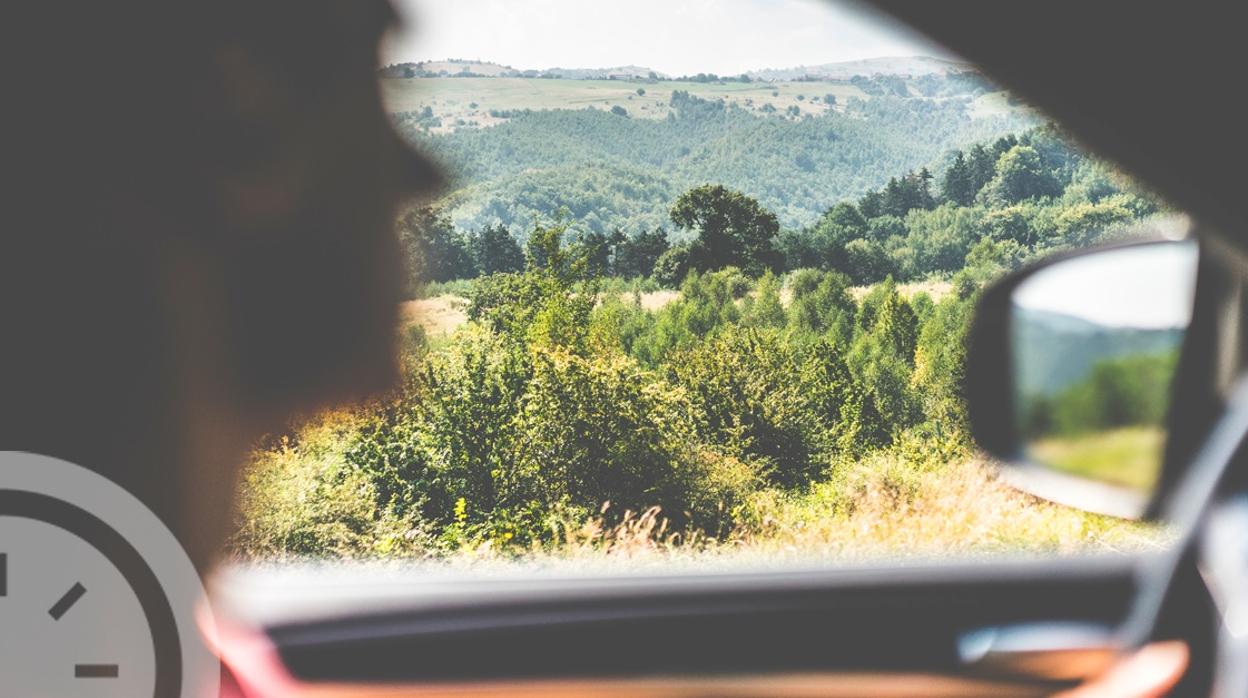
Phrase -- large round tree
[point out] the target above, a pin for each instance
(732, 228)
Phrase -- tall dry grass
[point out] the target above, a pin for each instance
(300, 501)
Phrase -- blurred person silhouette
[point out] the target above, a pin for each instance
(198, 235)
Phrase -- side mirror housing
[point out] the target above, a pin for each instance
(1069, 372)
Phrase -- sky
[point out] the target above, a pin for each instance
(1147, 287)
(677, 37)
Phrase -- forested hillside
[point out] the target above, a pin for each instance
(1002, 201)
(621, 166)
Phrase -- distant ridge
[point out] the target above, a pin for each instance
(1057, 350)
(460, 67)
(622, 71)
(909, 66)
(901, 66)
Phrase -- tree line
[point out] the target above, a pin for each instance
(1004, 202)
(609, 172)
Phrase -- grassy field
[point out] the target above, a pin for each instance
(1129, 456)
(471, 100)
(452, 99)
(936, 288)
(440, 315)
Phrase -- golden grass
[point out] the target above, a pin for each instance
(655, 300)
(442, 315)
(300, 500)
(884, 507)
(439, 316)
(935, 288)
(881, 511)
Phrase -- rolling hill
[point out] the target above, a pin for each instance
(1058, 350)
(908, 66)
(615, 153)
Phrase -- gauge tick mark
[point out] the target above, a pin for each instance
(67, 601)
(96, 671)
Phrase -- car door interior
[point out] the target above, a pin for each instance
(990, 625)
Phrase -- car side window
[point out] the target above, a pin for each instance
(697, 295)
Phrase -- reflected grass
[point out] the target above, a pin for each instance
(1128, 456)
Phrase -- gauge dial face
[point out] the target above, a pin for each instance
(70, 623)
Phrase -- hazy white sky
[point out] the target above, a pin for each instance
(677, 37)
(1147, 287)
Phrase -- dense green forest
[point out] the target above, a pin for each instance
(1002, 201)
(612, 169)
(766, 389)
(1124, 391)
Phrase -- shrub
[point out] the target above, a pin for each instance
(299, 498)
(616, 324)
(821, 306)
(939, 364)
(671, 267)
(504, 444)
(764, 309)
(706, 303)
(593, 431)
(882, 357)
(744, 386)
(442, 441)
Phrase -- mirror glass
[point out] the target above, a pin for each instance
(1095, 342)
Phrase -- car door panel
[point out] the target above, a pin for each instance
(822, 632)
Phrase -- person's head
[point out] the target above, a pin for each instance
(201, 238)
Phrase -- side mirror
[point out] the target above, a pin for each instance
(1069, 372)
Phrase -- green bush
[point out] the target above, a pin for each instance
(603, 430)
(764, 308)
(707, 302)
(618, 323)
(881, 358)
(671, 267)
(821, 306)
(500, 442)
(745, 388)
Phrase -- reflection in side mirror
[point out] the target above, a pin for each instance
(1094, 341)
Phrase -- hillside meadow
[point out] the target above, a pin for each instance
(452, 99)
(469, 102)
